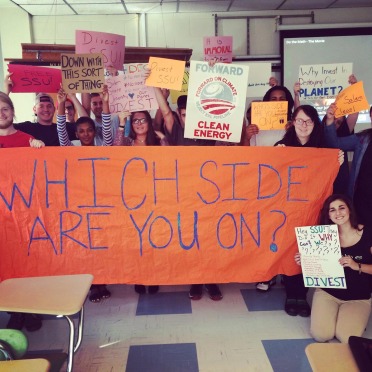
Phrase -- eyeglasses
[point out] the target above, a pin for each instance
(139, 121)
(307, 122)
(69, 108)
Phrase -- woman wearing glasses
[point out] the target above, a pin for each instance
(141, 133)
(306, 131)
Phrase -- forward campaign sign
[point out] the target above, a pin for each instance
(158, 215)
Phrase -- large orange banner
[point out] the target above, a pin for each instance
(164, 215)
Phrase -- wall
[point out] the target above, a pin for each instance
(161, 30)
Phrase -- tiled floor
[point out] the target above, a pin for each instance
(167, 332)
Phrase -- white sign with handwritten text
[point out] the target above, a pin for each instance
(323, 81)
(320, 251)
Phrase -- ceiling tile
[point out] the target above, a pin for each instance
(204, 6)
(105, 8)
(145, 7)
(39, 2)
(252, 5)
(41, 10)
(305, 4)
(352, 4)
(93, 2)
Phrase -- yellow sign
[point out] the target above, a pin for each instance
(351, 100)
(165, 73)
(270, 115)
(174, 94)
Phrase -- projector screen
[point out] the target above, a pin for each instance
(317, 57)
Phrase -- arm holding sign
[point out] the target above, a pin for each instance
(106, 117)
(61, 119)
(296, 92)
(77, 105)
(164, 109)
(349, 143)
(8, 83)
(158, 121)
(352, 118)
(120, 138)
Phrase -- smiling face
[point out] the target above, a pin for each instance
(303, 127)
(70, 112)
(96, 106)
(339, 212)
(85, 133)
(44, 112)
(140, 124)
(6, 115)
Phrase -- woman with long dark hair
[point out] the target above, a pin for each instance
(141, 133)
(342, 313)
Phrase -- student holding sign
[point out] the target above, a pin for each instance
(360, 183)
(85, 127)
(141, 133)
(344, 127)
(306, 131)
(342, 313)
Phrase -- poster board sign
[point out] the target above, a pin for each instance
(174, 94)
(165, 73)
(129, 92)
(258, 82)
(351, 100)
(35, 79)
(270, 115)
(112, 46)
(158, 215)
(219, 47)
(324, 81)
(320, 251)
(216, 101)
(82, 73)
(134, 68)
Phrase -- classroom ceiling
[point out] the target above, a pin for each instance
(92, 7)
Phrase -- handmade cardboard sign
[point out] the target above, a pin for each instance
(165, 73)
(158, 215)
(33, 79)
(320, 251)
(216, 101)
(82, 73)
(219, 47)
(351, 100)
(129, 92)
(112, 46)
(270, 115)
(323, 81)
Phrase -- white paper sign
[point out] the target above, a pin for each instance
(216, 101)
(258, 82)
(323, 81)
(320, 251)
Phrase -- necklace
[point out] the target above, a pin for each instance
(141, 141)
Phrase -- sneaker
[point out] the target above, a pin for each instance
(16, 321)
(265, 286)
(213, 292)
(139, 288)
(33, 322)
(153, 289)
(196, 292)
(291, 307)
(303, 308)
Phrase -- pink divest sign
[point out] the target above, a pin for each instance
(216, 101)
(129, 92)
